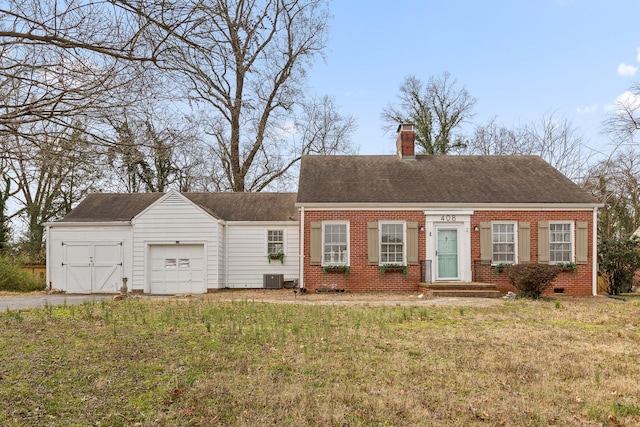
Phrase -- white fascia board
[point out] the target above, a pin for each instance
(262, 223)
(450, 206)
(89, 224)
(448, 211)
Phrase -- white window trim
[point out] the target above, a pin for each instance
(404, 242)
(348, 262)
(266, 239)
(515, 242)
(572, 233)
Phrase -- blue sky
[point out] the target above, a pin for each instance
(519, 58)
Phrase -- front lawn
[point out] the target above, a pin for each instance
(573, 361)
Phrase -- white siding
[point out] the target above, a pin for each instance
(174, 219)
(90, 233)
(247, 254)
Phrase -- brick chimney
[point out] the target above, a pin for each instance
(405, 143)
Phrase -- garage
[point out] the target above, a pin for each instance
(92, 267)
(177, 269)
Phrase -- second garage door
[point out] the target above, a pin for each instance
(177, 269)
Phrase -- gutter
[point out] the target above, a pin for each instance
(88, 223)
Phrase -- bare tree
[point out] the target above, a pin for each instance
(153, 152)
(242, 63)
(66, 62)
(105, 28)
(5, 225)
(437, 109)
(623, 123)
(245, 68)
(616, 183)
(47, 179)
(554, 139)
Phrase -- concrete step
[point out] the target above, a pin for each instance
(457, 285)
(460, 289)
(463, 293)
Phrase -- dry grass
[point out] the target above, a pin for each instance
(206, 361)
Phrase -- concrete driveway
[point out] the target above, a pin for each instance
(22, 302)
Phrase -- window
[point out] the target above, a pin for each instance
(335, 243)
(392, 240)
(173, 263)
(503, 243)
(560, 242)
(275, 241)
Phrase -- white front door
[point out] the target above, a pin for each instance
(448, 249)
(177, 269)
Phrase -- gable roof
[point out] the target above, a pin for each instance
(248, 206)
(97, 207)
(104, 207)
(436, 179)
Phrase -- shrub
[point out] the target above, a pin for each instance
(531, 280)
(14, 279)
(618, 260)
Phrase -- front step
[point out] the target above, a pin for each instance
(460, 289)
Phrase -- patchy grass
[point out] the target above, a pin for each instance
(243, 363)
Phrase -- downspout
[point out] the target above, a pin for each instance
(594, 255)
(225, 229)
(301, 250)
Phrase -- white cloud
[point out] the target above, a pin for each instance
(285, 130)
(588, 109)
(627, 101)
(627, 70)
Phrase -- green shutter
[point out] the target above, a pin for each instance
(486, 249)
(543, 242)
(524, 242)
(373, 244)
(316, 243)
(412, 243)
(582, 243)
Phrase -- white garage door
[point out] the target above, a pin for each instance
(92, 267)
(177, 269)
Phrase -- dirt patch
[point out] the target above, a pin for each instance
(348, 298)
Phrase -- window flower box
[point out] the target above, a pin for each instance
(336, 268)
(568, 266)
(501, 267)
(384, 268)
(275, 256)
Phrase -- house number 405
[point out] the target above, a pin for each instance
(448, 218)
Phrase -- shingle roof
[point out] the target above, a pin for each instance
(100, 207)
(435, 179)
(110, 207)
(248, 206)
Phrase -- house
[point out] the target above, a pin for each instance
(357, 223)
(173, 243)
(386, 223)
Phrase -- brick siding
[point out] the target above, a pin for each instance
(365, 277)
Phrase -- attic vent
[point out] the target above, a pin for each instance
(174, 199)
(273, 281)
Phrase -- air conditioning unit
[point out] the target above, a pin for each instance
(273, 281)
